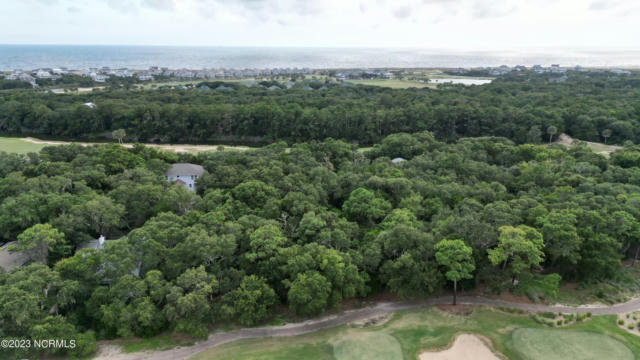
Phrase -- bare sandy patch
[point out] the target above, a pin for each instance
(465, 347)
(597, 148)
(179, 148)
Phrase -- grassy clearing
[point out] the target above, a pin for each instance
(158, 343)
(540, 344)
(393, 83)
(601, 148)
(18, 146)
(415, 331)
(372, 345)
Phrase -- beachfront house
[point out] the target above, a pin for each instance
(184, 174)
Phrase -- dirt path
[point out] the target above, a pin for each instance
(179, 148)
(215, 339)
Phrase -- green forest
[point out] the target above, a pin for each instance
(309, 221)
(520, 106)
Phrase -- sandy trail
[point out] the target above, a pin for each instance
(466, 347)
(347, 317)
(179, 148)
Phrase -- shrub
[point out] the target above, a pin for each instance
(620, 322)
(630, 326)
(588, 314)
(511, 310)
(627, 316)
(542, 321)
(559, 322)
(537, 287)
(548, 315)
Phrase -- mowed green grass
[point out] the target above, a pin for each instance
(375, 345)
(393, 83)
(543, 344)
(430, 329)
(18, 146)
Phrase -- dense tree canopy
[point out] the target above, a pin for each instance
(309, 225)
(522, 106)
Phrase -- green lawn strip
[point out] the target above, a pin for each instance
(160, 342)
(18, 146)
(375, 345)
(316, 345)
(394, 84)
(548, 344)
(416, 331)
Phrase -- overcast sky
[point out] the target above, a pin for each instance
(448, 24)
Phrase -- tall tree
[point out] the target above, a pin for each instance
(606, 133)
(37, 241)
(455, 255)
(119, 134)
(551, 130)
(520, 246)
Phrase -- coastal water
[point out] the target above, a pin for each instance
(460, 81)
(141, 57)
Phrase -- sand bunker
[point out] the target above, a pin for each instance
(466, 347)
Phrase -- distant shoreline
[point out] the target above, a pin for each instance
(176, 57)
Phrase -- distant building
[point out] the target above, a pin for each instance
(620, 72)
(184, 174)
(20, 75)
(90, 105)
(398, 160)
(43, 74)
(560, 79)
(144, 76)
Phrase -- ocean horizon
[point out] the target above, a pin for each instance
(30, 57)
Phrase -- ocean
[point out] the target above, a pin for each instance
(28, 57)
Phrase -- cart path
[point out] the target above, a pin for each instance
(219, 338)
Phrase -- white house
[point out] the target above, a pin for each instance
(184, 174)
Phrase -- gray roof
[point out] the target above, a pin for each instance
(93, 244)
(185, 169)
(10, 260)
(398, 160)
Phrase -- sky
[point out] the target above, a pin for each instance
(429, 24)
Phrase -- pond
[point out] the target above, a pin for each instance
(460, 81)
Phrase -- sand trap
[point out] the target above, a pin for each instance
(466, 347)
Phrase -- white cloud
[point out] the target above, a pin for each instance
(477, 24)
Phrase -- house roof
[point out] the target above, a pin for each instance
(398, 160)
(185, 169)
(93, 244)
(10, 260)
